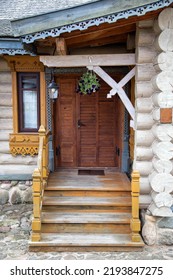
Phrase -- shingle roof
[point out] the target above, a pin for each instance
(16, 9)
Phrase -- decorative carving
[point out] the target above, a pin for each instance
(23, 144)
(54, 32)
(25, 63)
(15, 51)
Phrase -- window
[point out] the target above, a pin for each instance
(28, 102)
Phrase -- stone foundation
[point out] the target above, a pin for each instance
(15, 192)
(156, 230)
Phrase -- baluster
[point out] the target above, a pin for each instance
(135, 222)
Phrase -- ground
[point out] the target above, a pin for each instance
(15, 227)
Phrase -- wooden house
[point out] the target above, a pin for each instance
(95, 161)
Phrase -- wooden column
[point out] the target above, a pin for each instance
(135, 222)
(37, 189)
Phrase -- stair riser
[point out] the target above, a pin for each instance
(79, 209)
(84, 193)
(85, 228)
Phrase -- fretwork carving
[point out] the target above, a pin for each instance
(23, 144)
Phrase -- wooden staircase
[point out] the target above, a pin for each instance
(86, 213)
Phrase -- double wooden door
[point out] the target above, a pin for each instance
(87, 128)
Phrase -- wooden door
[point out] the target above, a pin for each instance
(65, 124)
(88, 129)
(96, 130)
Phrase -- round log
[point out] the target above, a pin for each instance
(156, 27)
(163, 99)
(162, 166)
(4, 147)
(145, 37)
(17, 169)
(163, 150)
(146, 23)
(144, 121)
(165, 19)
(164, 41)
(144, 72)
(6, 124)
(144, 138)
(6, 112)
(144, 201)
(144, 153)
(4, 134)
(144, 167)
(163, 81)
(5, 99)
(143, 89)
(9, 159)
(6, 88)
(145, 187)
(144, 105)
(162, 199)
(164, 132)
(145, 54)
(5, 77)
(160, 212)
(161, 182)
(164, 61)
(156, 114)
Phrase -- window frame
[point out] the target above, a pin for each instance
(20, 91)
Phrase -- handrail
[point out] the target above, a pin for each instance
(135, 222)
(40, 176)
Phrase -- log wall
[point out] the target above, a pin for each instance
(10, 165)
(153, 91)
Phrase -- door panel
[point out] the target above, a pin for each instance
(87, 131)
(65, 126)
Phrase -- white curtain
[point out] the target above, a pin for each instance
(30, 108)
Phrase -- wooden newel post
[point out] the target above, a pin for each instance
(135, 222)
(42, 133)
(37, 189)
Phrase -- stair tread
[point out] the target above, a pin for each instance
(106, 201)
(85, 239)
(74, 187)
(82, 218)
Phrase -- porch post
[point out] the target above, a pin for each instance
(135, 222)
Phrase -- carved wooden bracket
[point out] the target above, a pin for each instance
(24, 63)
(23, 144)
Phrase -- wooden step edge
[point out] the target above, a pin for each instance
(70, 188)
(83, 218)
(87, 241)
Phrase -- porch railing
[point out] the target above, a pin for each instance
(135, 222)
(40, 176)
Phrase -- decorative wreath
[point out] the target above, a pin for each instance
(88, 83)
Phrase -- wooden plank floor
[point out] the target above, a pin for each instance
(65, 179)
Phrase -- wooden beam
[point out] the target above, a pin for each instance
(61, 47)
(100, 72)
(89, 60)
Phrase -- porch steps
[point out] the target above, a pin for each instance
(86, 242)
(86, 214)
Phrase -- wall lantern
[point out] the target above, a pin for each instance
(53, 90)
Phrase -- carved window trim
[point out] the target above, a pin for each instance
(26, 143)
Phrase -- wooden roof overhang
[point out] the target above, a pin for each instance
(99, 23)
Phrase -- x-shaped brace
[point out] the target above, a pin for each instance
(117, 88)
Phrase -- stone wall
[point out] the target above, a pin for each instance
(15, 192)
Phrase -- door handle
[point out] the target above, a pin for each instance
(79, 124)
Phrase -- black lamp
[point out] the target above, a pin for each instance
(53, 90)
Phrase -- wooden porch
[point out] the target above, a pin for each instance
(84, 212)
